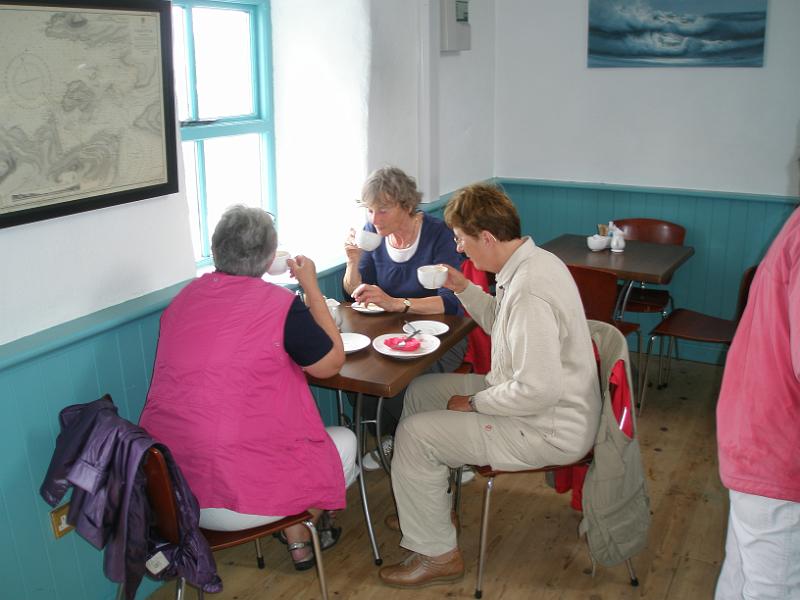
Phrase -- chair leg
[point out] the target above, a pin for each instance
(323, 586)
(385, 463)
(632, 573)
(180, 589)
(663, 384)
(643, 375)
(259, 554)
(487, 498)
(456, 473)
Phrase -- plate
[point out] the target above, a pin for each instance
(369, 309)
(353, 342)
(428, 344)
(429, 327)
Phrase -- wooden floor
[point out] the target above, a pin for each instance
(534, 551)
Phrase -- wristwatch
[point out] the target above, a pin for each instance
(472, 404)
(406, 305)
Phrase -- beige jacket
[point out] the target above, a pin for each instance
(544, 374)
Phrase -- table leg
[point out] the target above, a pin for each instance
(622, 300)
(343, 420)
(362, 488)
(384, 462)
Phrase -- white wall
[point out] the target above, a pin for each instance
(424, 101)
(57, 270)
(321, 57)
(725, 129)
(466, 104)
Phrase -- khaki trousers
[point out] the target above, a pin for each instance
(429, 441)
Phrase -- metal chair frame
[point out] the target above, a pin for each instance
(162, 500)
(703, 328)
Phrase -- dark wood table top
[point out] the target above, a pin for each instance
(369, 372)
(641, 261)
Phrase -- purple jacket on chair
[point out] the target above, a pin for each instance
(100, 454)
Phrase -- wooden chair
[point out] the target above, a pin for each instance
(490, 474)
(598, 291)
(691, 325)
(162, 500)
(642, 299)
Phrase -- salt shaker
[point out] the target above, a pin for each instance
(617, 241)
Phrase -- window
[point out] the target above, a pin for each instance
(221, 52)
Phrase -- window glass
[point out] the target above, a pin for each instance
(223, 62)
(233, 174)
(218, 80)
(192, 197)
(179, 62)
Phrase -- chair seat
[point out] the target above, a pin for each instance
(691, 325)
(488, 471)
(626, 327)
(219, 540)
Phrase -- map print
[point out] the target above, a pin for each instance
(81, 104)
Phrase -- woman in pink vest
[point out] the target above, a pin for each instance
(229, 395)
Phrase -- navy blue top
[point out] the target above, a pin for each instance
(304, 340)
(399, 280)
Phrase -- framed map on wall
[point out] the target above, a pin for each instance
(87, 106)
(676, 33)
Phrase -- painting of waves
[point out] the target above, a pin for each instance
(677, 33)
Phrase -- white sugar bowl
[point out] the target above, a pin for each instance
(597, 242)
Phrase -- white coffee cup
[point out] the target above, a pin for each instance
(279, 265)
(432, 276)
(368, 240)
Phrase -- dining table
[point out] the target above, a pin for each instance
(639, 261)
(372, 375)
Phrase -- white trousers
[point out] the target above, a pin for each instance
(762, 550)
(222, 519)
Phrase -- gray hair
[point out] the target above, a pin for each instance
(389, 186)
(244, 241)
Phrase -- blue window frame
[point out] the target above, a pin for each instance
(223, 86)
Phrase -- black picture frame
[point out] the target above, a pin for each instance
(68, 165)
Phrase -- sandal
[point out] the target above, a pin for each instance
(304, 563)
(328, 534)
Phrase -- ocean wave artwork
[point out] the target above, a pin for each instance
(676, 33)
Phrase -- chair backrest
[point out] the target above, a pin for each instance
(744, 291)
(161, 495)
(598, 291)
(652, 230)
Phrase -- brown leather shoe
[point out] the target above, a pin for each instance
(418, 570)
(392, 522)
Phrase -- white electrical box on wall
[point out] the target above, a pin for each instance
(455, 25)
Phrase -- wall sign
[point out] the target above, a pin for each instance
(87, 106)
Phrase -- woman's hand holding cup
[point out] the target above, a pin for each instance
(351, 249)
(456, 280)
(304, 270)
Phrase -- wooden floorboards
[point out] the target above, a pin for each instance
(534, 551)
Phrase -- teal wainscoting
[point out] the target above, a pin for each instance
(729, 233)
(111, 351)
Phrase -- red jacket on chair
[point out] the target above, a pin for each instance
(479, 344)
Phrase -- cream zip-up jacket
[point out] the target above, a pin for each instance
(544, 373)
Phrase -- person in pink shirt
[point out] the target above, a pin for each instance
(758, 432)
(229, 396)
